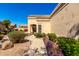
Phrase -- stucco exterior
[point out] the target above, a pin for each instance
(63, 21)
(60, 21)
(44, 22)
(46, 26)
(31, 21)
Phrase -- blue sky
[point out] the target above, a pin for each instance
(17, 13)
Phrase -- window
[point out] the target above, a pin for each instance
(39, 28)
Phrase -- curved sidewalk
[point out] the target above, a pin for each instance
(37, 44)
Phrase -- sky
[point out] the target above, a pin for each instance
(17, 13)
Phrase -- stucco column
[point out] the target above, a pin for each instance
(29, 28)
(37, 28)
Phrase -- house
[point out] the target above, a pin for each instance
(39, 23)
(64, 21)
(12, 26)
(22, 27)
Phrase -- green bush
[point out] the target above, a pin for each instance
(70, 47)
(1, 36)
(21, 30)
(16, 36)
(52, 36)
(39, 35)
(3, 33)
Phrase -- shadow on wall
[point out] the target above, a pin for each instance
(74, 31)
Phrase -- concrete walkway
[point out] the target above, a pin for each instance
(37, 47)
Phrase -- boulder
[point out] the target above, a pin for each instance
(5, 38)
(7, 45)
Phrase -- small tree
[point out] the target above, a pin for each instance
(2, 27)
(6, 23)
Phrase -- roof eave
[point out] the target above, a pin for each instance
(58, 8)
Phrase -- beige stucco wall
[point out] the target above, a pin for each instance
(31, 21)
(46, 25)
(63, 21)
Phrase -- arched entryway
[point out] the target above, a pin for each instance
(33, 28)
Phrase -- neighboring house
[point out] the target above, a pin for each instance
(61, 21)
(22, 27)
(13, 26)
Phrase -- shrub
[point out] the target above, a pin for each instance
(21, 30)
(16, 36)
(39, 35)
(52, 36)
(2, 32)
(1, 36)
(70, 47)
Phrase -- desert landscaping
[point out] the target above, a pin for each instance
(44, 35)
(19, 43)
(27, 48)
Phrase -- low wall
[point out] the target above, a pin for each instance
(52, 48)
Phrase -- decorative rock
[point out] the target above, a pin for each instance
(36, 49)
(35, 52)
(7, 45)
(5, 38)
(29, 53)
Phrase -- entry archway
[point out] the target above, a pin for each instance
(33, 28)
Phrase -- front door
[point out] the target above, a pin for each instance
(33, 28)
